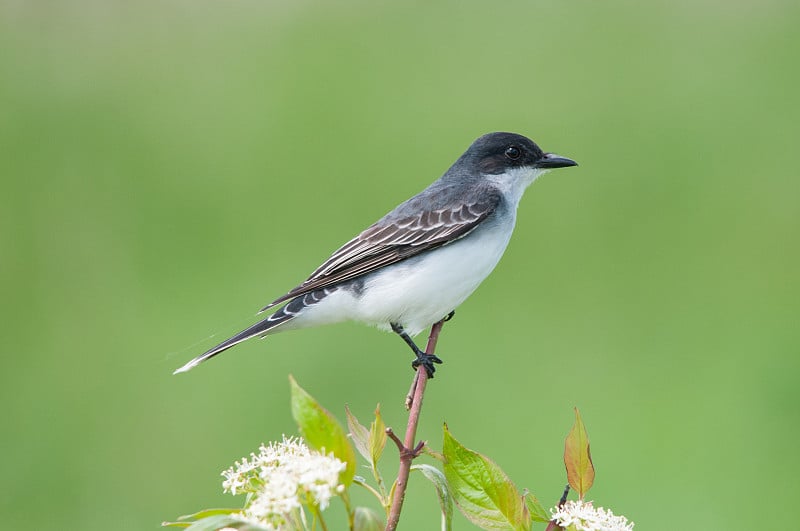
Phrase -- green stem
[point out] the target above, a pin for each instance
(318, 516)
(371, 489)
(351, 515)
(379, 479)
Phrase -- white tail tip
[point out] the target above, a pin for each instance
(186, 368)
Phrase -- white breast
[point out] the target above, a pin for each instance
(420, 291)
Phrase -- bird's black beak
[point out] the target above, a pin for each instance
(551, 160)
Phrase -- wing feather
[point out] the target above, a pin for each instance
(392, 240)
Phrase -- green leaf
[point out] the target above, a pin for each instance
(436, 477)
(578, 458)
(213, 523)
(368, 520)
(391, 490)
(358, 433)
(207, 512)
(199, 515)
(377, 437)
(433, 453)
(535, 508)
(321, 430)
(483, 492)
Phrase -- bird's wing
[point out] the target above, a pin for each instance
(392, 240)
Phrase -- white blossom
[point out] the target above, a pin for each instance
(583, 516)
(282, 477)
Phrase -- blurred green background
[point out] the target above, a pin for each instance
(169, 167)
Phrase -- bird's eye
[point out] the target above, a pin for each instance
(513, 152)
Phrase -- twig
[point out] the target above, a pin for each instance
(563, 499)
(410, 394)
(552, 525)
(396, 439)
(408, 451)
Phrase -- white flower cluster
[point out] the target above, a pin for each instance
(282, 477)
(582, 516)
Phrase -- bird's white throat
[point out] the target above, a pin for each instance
(513, 183)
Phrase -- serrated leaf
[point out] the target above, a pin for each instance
(358, 433)
(480, 488)
(536, 509)
(368, 520)
(377, 437)
(321, 430)
(439, 481)
(578, 458)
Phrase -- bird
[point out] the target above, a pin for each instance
(415, 265)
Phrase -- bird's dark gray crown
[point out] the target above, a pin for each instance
(495, 153)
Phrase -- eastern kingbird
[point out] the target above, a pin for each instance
(417, 263)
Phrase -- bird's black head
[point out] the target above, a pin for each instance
(496, 153)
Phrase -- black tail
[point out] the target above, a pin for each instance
(261, 328)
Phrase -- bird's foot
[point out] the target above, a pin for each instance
(427, 361)
(449, 316)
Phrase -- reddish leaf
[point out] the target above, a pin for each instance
(578, 458)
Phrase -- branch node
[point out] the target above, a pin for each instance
(418, 448)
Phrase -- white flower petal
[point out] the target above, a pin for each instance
(585, 517)
(288, 474)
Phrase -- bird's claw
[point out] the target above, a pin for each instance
(427, 361)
